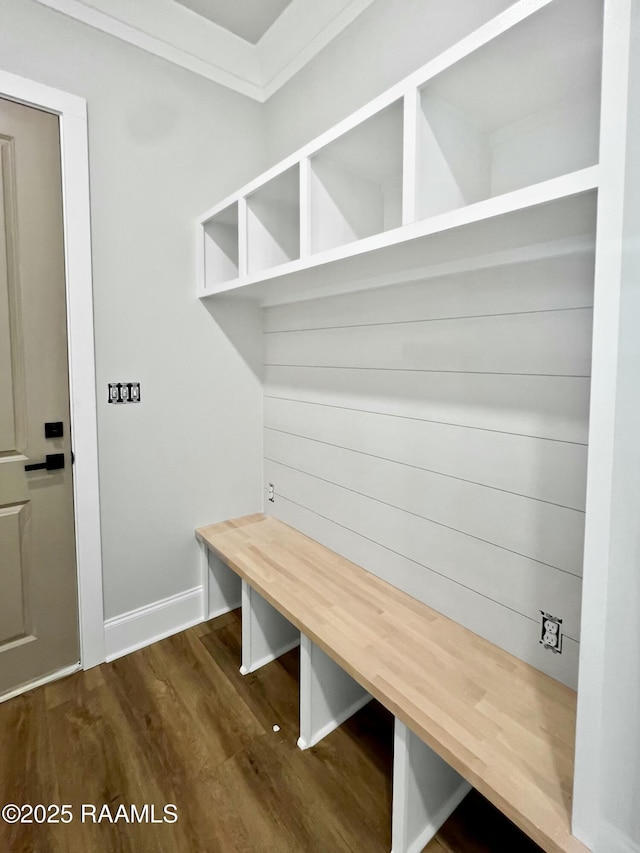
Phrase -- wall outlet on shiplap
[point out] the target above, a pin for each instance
(551, 632)
(271, 493)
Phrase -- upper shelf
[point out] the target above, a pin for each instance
(355, 182)
(520, 109)
(273, 222)
(555, 217)
(489, 151)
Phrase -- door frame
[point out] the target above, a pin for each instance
(74, 147)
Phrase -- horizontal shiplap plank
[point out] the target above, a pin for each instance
(512, 580)
(543, 285)
(543, 343)
(544, 532)
(547, 470)
(555, 407)
(508, 629)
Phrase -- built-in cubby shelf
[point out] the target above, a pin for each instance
(487, 154)
(356, 182)
(221, 249)
(273, 222)
(519, 110)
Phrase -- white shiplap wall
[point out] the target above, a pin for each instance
(435, 433)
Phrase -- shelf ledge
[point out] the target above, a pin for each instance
(553, 217)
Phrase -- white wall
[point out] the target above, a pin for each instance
(164, 144)
(389, 40)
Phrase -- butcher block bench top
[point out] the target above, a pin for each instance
(505, 726)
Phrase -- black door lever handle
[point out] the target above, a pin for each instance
(53, 462)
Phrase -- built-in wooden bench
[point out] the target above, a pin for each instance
(504, 726)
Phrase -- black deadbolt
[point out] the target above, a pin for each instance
(53, 429)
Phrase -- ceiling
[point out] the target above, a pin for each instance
(252, 46)
(249, 19)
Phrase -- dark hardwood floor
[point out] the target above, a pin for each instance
(176, 723)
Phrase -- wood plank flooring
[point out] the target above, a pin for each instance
(176, 723)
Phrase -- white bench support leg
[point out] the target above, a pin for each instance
(426, 790)
(328, 695)
(222, 587)
(266, 634)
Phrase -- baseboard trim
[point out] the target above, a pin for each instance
(39, 682)
(146, 625)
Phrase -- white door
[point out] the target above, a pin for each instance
(38, 588)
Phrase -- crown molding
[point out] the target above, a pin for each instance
(302, 31)
(175, 33)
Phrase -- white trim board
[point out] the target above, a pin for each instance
(179, 35)
(82, 384)
(146, 625)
